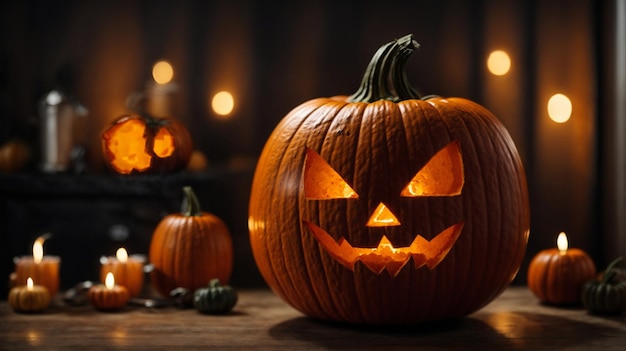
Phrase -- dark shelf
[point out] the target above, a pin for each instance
(91, 215)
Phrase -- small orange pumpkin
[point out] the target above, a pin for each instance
(29, 298)
(386, 207)
(140, 143)
(190, 248)
(109, 296)
(557, 275)
(14, 155)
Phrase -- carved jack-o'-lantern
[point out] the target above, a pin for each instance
(441, 176)
(387, 208)
(139, 143)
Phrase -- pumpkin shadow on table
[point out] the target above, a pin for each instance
(491, 331)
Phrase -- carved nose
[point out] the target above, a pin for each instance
(382, 217)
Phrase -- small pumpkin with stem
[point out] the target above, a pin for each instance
(605, 294)
(215, 298)
(108, 296)
(190, 248)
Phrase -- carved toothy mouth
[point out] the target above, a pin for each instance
(385, 256)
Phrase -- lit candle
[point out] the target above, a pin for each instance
(108, 296)
(160, 91)
(556, 275)
(29, 298)
(44, 270)
(128, 270)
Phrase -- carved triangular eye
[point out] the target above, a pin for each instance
(442, 175)
(322, 182)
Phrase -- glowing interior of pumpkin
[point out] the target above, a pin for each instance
(127, 144)
(442, 175)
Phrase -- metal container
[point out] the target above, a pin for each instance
(58, 114)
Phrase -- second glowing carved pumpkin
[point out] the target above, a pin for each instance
(387, 208)
(139, 143)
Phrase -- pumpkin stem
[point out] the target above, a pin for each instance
(388, 67)
(609, 272)
(214, 283)
(191, 205)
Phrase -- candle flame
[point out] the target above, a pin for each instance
(122, 255)
(38, 248)
(561, 242)
(29, 283)
(109, 281)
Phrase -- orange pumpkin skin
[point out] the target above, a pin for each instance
(188, 250)
(145, 157)
(35, 299)
(557, 278)
(104, 298)
(14, 155)
(377, 147)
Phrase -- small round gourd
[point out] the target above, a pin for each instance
(34, 298)
(605, 294)
(215, 299)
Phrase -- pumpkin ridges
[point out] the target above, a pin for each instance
(345, 122)
(501, 136)
(499, 244)
(321, 272)
(453, 133)
(266, 262)
(324, 115)
(558, 279)
(283, 161)
(161, 276)
(501, 199)
(391, 157)
(220, 243)
(432, 290)
(188, 251)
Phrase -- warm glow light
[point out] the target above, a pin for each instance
(128, 145)
(38, 248)
(34, 337)
(561, 242)
(163, 144)
(122, 255)
(322, 182)
(559, 108)
(442, 175)
(499, 63)
(29, 283)
(109, 281)
(223, 103)
(162, 72)
(382, 217)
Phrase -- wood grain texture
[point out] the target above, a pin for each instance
(261, 321)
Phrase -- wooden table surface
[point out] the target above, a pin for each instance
(514, 321)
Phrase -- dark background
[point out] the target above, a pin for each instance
(275, 55)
